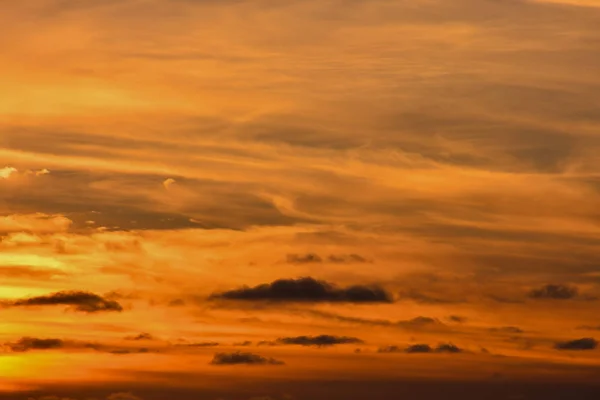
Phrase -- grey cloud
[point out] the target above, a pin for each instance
(507, 329)
(319, 341)
(309, 258)
(419, 348)
(85, 302)
(306, 290)
(554, 292)
(240, 358)
(422, 348)
(577, 344)
(141, 336)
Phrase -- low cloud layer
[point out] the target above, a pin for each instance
(319, 341)
(242, 358)
(422, 348)
(80, 301)
(554, 292)
(307, 290)
(578, 344)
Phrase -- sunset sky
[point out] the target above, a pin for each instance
(299, 199)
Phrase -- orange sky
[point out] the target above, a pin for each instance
(294, 200)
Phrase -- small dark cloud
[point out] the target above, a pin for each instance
(26, 344)
(200, 344)
(176, 303)
(420, 322)
(306, 290)
(320, 341)
(457, 318)
(29, 343)
(78, 300)
(447, 348)
(346, 258)
(239, 358)
(419, 348)
(308, 258)
(554, 292)
(578, 344)
(389, 349)
(141, 336)
(507, 329)
(243, 344)
(589, 327)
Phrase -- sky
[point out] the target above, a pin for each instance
(299, 199)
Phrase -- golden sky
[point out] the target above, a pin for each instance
(299, 199)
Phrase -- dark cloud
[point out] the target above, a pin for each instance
(244, 343)
(589, 327)
(141, 336)
(309, 258)
(320, 341)
(239, 358)
(555, 292)
(457, 318)
(346, 258)
(448, 348)
(78, 300)
(306, 289)
(578, 344)
(26, 344)
(389, 349)
(420, 322)
(507, 329)
(29, 343)
(419, 348)
(414, 323)
(200, 344)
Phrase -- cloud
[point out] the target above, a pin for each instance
(313, 258)
(554, 292)
(507, 329)
(577, 344)
(346, 258)
(6, 172)
(309, 258)
(29, 343)
(113, 396)
(420, 323)
(241, 358)
(589, 327)
(26, 344)
(421, 348)
(141, 336)
(200, 344)
(306, 290)
(80, 301)
(457, 319)
(38, 223)
(447, 348)
(320, 341)
(167, 183)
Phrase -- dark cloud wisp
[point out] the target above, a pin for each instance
(241, 358)
(577, 344)
(306, 289)
(81, 301)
